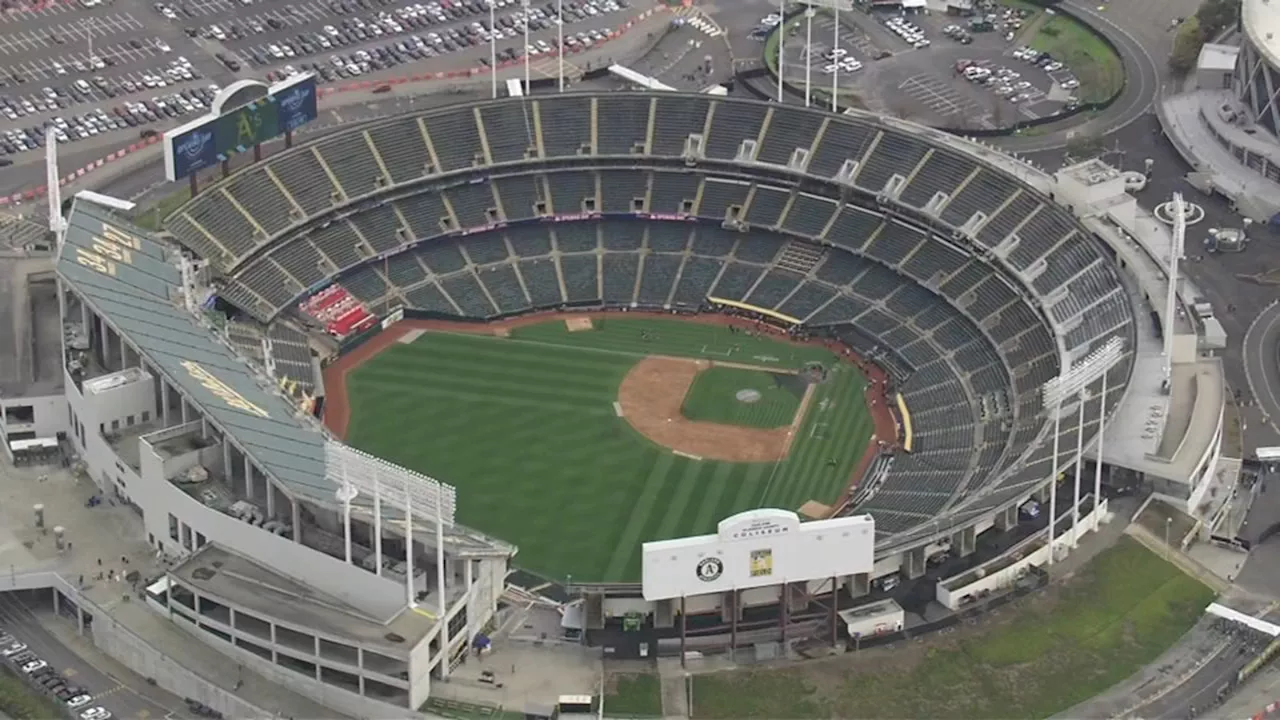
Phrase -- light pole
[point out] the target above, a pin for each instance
(808, 54)
(493, 51)
(524, 10)
(1071, 382)
(87, 24)
(559, 40)
(782, 41)
(835, 43)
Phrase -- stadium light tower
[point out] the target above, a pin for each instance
(1179, 210)
(1072, 383)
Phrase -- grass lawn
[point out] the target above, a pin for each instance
(525, 428)
(713, 398)
(20, 702)
(633, 695)
(1056, 649)
(1094, 63)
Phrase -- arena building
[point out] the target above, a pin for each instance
(1228, 128)
(971, 278)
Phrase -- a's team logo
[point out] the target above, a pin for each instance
(248, 123)
(710, 569)
(194, 145)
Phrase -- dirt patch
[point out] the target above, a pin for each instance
(651, 395)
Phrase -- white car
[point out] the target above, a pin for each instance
(851, 66)
(95, 713)
(772, 20)
(16, 647)
(1053, 67)
(836, 54)
(33, 666)
(1070, 84)
(79, 701)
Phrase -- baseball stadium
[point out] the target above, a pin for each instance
(520, 229)
(559, 346)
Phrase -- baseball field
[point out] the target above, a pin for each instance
(579, 439)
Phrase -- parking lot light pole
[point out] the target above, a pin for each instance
(808, 55)
(493, 51)
(835, 43)
(87, 24)
(559, 40)
(782, 41)
(524, 8)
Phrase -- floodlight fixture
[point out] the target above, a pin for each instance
(397, 486)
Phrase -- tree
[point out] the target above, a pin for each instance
(1216, 16)
(1186, 47)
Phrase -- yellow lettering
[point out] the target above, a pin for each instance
(119, 237)
(95, 261)
(113, 251)
(222, 390)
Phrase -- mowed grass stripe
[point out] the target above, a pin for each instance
(678, 503)
(628, 543)
(710, 504)
(679, 338)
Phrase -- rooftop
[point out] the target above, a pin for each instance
(137, 293)
(29, 326)
(1215, 56)
(1261, 20)
(242, 583)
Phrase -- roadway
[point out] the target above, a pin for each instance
(1262, 363)
(21, 615)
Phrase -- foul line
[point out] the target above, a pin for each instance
(687, 455)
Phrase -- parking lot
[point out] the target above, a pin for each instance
(340, 39)
(914, 67)
(97, 68)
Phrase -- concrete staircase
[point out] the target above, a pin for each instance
(800, 257)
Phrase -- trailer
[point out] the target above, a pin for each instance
(877, 618)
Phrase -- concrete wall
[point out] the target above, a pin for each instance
(949, 594)
(137, 654)
(323, 693)
(50, 415)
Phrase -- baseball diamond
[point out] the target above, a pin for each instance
(581, 445)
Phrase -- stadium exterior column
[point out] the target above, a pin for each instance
(296, 519)
(733, 623)
(164, 405)
(684, 631)
(248, 477)
(784, 611)
(835, 611)
(226, 456)
(271, 497)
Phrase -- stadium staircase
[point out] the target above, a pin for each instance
(800, 257)
(695, 18)
(549, 65)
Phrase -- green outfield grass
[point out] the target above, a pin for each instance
(713, 398)
(525, 428)
(1062, 647)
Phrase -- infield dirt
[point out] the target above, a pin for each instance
(651, 396)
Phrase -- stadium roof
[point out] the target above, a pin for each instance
(136, 294)
(1261, 22)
